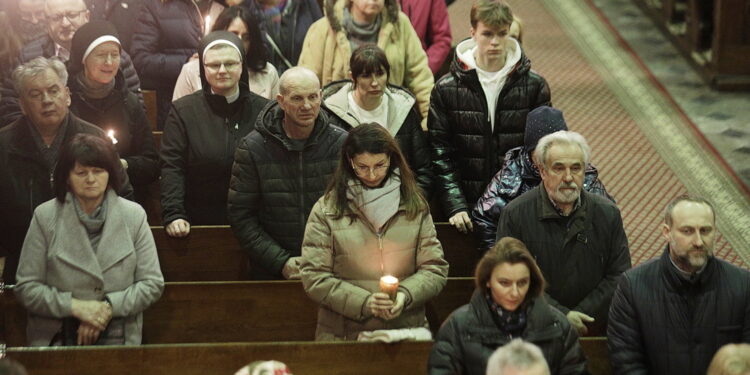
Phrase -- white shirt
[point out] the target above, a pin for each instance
(378, 115)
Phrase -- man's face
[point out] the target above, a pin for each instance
(691, 235)
(31, 11)
(490, 41)
(45, 99)
(301, 103)
(64, 17)
(563, 173)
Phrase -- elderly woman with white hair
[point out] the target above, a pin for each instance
(201, 134)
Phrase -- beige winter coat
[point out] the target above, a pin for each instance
(326, 51)
(341, 267)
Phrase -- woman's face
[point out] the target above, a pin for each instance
(371, 169)
(371, 86)
(102, 63)
(223, 68)
(238, 27)
(88, 183)
(367, 8)
(509, 283)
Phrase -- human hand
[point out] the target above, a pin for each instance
(578, 319)
(291, 269)
(87, 334)
(397, 308)
(379, 303)
(462, 222)
(124, 164)
(94, 313)
(178, 228)
(194, 56)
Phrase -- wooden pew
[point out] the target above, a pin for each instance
(212, 253)
(309, 358)
(149, 99)
(249, 311)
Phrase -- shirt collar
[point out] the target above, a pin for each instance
(62, 52)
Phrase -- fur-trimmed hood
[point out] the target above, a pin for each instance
(334, 12)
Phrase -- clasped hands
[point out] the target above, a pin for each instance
(94, 316)
(382, 307)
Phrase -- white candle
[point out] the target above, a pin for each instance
(207, 25)
(111, 135)
(389, 286)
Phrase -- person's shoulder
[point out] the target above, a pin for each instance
(648, 268)
(191, 100)
(733, 272)
(524, 201)
(83, 126)
(599, 202)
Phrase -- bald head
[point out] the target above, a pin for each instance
(64, 17)
(297, 76)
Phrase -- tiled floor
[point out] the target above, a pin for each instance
(723, 117)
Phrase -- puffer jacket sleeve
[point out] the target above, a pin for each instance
(174, 154)
(443, 157)
(440, 35)
(617, 261)
(143, 165)
(544, 97)
(432, 268)
(244, 203)
(316, 268)
(490, 205)
(148, 282)
(419, 154)
(418, 77)
(313, 47)
(131, 77)
(31, 288)
(153, 64)
(626, 351)
(594, 185)
(446, 356)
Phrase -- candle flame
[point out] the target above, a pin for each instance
(388, 279)
(111, 135)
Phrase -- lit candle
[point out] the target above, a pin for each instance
(389, 286)
(111, 135)
(207, 25)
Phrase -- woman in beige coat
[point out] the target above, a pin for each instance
(350, 23)
(88, 266)
(371, 222)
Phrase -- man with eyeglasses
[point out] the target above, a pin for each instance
(29, 148)
(29, 19)
(577, 237)
(63, 18)
(280, 170)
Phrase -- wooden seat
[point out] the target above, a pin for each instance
(212, 253)
(247, 311)
(308, 358)
(149, 100)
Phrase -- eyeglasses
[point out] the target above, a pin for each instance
(32, 17)
(229, 66)
(70, 16)
(106, 57)
(361, 170)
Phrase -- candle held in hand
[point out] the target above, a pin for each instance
(389, 286)
(207, 25)
(111, 135)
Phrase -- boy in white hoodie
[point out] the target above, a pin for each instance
(478, 111)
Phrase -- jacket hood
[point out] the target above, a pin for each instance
(464, 67)
(334, 12)
(270, 120)
(219, 103)
(400, 103)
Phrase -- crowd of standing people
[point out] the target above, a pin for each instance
(322, 134)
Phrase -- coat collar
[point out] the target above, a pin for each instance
(400, 103)
(269, 125)
(679, 284)
(75, 248)
(540, 324)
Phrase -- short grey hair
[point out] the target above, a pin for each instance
(517, 354)
(562, 137)
(36, 67)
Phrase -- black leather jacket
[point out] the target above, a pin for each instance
(517, 176)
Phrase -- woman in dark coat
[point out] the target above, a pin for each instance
(367, 97)
(508, 303)
(201, 135)
(100, 96)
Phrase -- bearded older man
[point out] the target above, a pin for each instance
(576, 237)
(671, 314)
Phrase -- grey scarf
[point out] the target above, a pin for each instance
(94, 90)
(359, 34)
(93, 222)
(377, 204)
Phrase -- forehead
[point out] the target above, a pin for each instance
(30, 5)
(512, 271)
(565, 154)
(222, 53)
(106, 47)
(65, 5)
(303, 85)
(237, 25)
(43, 80)
(482, 27)
(692, 214)
(368, 158)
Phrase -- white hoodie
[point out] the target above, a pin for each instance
(492, 82)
